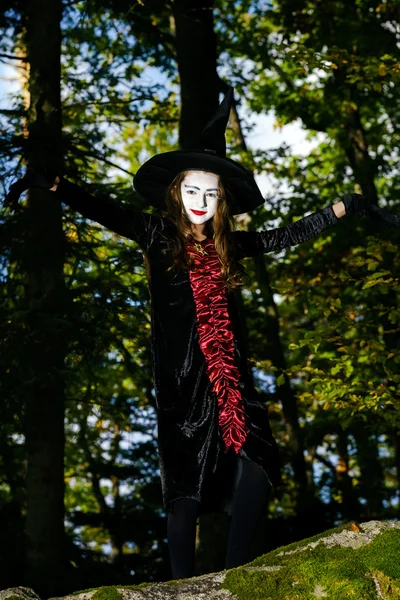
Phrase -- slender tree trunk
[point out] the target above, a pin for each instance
(392, 344)
(349, 506)
(355, 145)
(371, 478)
(289, 404)
(396, 445)
(196, 55)
(45, 295)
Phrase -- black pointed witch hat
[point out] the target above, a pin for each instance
(155, 175)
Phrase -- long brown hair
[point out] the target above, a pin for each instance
(219, 227)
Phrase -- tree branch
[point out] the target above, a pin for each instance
(13, 57)
(105, 161)
(9, 111)
(326, 462)
(109, 103)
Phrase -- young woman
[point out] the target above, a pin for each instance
(216, 448)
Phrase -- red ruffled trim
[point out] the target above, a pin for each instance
(217, 342)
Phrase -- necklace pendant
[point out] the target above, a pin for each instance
(200, 249)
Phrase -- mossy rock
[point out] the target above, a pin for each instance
(107, 593)
(350, 562)
(18, 593)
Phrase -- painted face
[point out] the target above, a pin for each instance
(199, 192)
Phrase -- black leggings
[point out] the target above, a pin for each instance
(250, 499)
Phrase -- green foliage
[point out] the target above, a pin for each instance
(337, 296)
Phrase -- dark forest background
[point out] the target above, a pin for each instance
(104, 85)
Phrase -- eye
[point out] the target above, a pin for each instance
(190, 192)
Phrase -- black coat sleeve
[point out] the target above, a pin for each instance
(123, 219)
(253, 243)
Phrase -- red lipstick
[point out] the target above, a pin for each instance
(198, 212)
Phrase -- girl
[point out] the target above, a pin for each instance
(215, 445)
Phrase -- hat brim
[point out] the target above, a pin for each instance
(155, 175)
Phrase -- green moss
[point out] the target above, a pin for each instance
(390, 589)
(343, 573)
(13, 597)
(383, 553)
(107, 593)
(138, 586)
(272, 557)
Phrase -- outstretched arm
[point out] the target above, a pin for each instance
(252, 243)
(123, 219)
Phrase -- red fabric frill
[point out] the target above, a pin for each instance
(217, 341)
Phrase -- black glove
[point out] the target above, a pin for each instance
(358, 204)
(43, 177)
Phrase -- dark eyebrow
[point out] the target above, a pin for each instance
(197, 188)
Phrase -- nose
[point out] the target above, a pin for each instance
(203, 201)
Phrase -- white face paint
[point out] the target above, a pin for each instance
(199, 192)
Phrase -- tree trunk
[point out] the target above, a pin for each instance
(356, 147)
(196, 55)
(45, 298)
(294, 432)
(396, 445)
(355, 144)
(289, 404)
(371, 485)
(349, 506)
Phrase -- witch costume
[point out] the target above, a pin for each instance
(208, 411)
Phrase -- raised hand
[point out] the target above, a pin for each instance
(44, 178)
(359, 204)
(356, 203)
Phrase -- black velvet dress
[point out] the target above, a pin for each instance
(193, 459)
